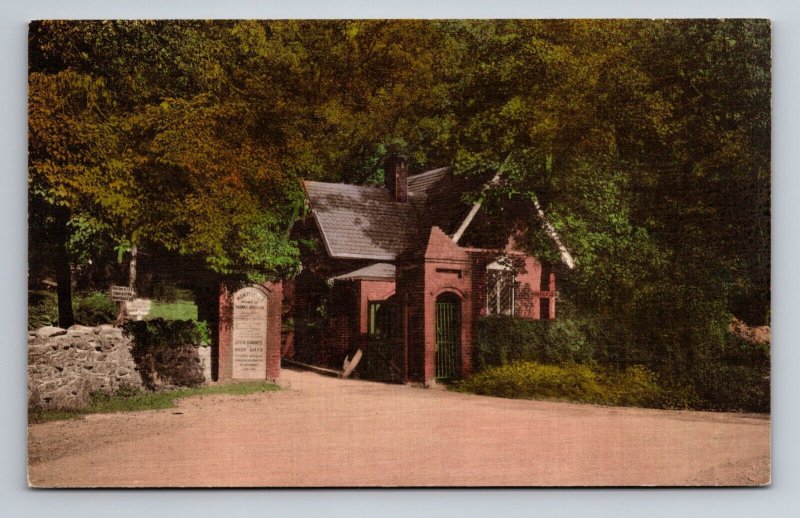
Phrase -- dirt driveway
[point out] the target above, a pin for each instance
(322, 431)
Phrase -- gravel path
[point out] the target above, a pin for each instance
(321, 431)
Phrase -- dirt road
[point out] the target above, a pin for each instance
(322, 431)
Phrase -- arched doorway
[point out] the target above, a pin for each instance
(448, 336)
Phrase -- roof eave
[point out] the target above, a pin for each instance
(322, 233)
(473, 211)
(364, 278)
(550, 230)
(387, 257)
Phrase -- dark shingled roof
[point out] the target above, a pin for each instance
(421, 182)
(362, 222)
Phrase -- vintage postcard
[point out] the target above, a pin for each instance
(399, 253)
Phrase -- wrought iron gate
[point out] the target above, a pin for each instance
(448, 333)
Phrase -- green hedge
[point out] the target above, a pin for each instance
(737, 387)
(502, 340)
(94, 308)
(160, 332)
(633, 386)
(164, 351)
(710, 369)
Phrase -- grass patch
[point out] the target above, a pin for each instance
(178, 310)
(95, 308)
(634, 386)
(139, 401)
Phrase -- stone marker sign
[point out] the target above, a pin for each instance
(249, 346)
(137, 308)
(122, 293)
(249, 334)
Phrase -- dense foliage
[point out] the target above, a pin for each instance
(503, 339)
(151, 334)
(725, 372)
(94, 309)
(164, 351)
(646, 143)
(91, 309)
(633, 386)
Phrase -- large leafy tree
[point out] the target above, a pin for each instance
(192, 136)
(77, 166)
(645, 142)
(647, 145)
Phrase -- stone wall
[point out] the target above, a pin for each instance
(65, 366)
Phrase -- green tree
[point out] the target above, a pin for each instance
(192, 136)
(645, 142)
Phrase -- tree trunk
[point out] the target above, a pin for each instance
(61, 264)
(132, 272)
(206, 297)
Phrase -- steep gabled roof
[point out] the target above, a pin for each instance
(360, 222)
(364, 222)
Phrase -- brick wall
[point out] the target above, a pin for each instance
(448, 269)
(440, 266)
(341, 330)
(410, 285)
(371, 291)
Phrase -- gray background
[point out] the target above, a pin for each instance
(780, 499)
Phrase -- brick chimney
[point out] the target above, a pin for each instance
(396, 174)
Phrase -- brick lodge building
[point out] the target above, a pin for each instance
(404, 272)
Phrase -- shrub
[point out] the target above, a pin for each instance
(502, 340)
(565, 342)
(203, 334)
(42, 309)
(529, 380)
(94, 309)
(164, 351)
(90, 309)
(634, 386)
(736, 387)
(733, 375)
(631, 386)
(159, 332)
(725, 373)
(736, 378)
